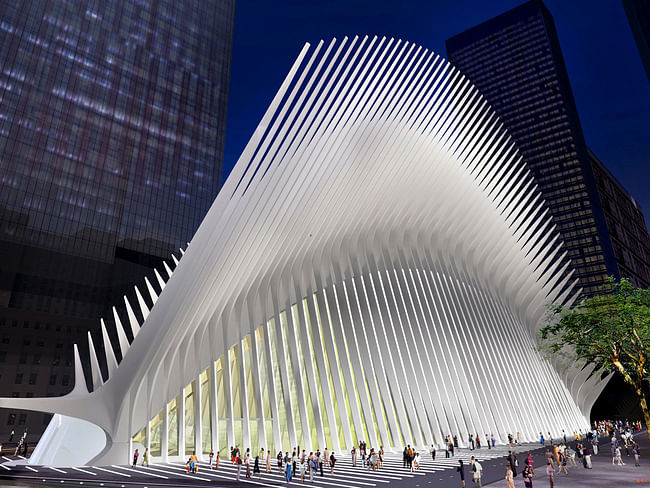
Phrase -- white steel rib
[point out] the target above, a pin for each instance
(376, 267)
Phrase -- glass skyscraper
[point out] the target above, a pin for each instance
(112, 125)
(516, 62)
(638, 15)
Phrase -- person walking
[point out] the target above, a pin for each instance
(256, 467)
(587, 458)
(528, 476)
(11, 436)
(301, 470)
(280, 461)
(511, 462)
(470, 440)
(509, 478)
(619, 459)
(478, 442)
(354, 456)
(461, 472)
(477, 472)
(210, 456)
(550, 472)
(268, 461)
(562, 465)
(637, 453)
(287, 472)
(145, 457)
(433, 452)
(332, 462)
(135, 458)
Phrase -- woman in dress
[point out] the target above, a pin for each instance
(509, 478)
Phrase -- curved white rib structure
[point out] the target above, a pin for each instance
(376, 267)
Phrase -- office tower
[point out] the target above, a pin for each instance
(638, 15)
(112, 124)
(516, 62)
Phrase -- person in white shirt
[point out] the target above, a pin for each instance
(477, 472)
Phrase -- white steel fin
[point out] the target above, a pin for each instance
(161, 282)
(152, 292)
(167, 269)
(133, 321)
(121, 335)
(80, 387)
(143, 305)
(175, 260)
(94, 364)
(111, 361)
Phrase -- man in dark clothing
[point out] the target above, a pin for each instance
(471, 442)
(512, 462)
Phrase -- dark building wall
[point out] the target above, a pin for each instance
(516, 62)
(112, 125)
(626, 225)
(638, 15)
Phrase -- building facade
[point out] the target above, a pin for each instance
(379, 242)
(625, 224)
(112, 124)
(516, 62)
(638, 15)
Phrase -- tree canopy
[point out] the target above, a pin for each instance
(610, 331)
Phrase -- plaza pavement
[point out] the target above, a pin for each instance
(603, 474)
(439, 474)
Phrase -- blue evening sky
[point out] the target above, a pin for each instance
(608, 81)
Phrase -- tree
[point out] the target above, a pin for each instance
(610, 331)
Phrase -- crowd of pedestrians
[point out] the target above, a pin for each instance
(560, 455)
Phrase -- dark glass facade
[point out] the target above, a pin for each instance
(626, 225)
(638, 15)
(112, 125)
(516, 62)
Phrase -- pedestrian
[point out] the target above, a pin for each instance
(509, 479)
(210, 456)
(301, 470)
(354, 456)
(461, 472)
(637, 453)
(145, 457)
(11, 436)
(280, 461)
(587, 458)
(528, 474)
(268, 461)
(216, 463)
(135, 458)
(256, 468)
(562, 464)
(478, 442)
(470, 440)
(550, 472)
(511, 462)
(541, 438)
(549, 456)
(619, 459)
(433, 452)
(455, 441)
(238, 463)
(332, 462)
(477, 472)
(248, 466)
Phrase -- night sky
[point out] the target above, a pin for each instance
(607, 77)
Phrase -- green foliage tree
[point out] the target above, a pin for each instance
(610, 331)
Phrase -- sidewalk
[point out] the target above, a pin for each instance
(602, 475)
